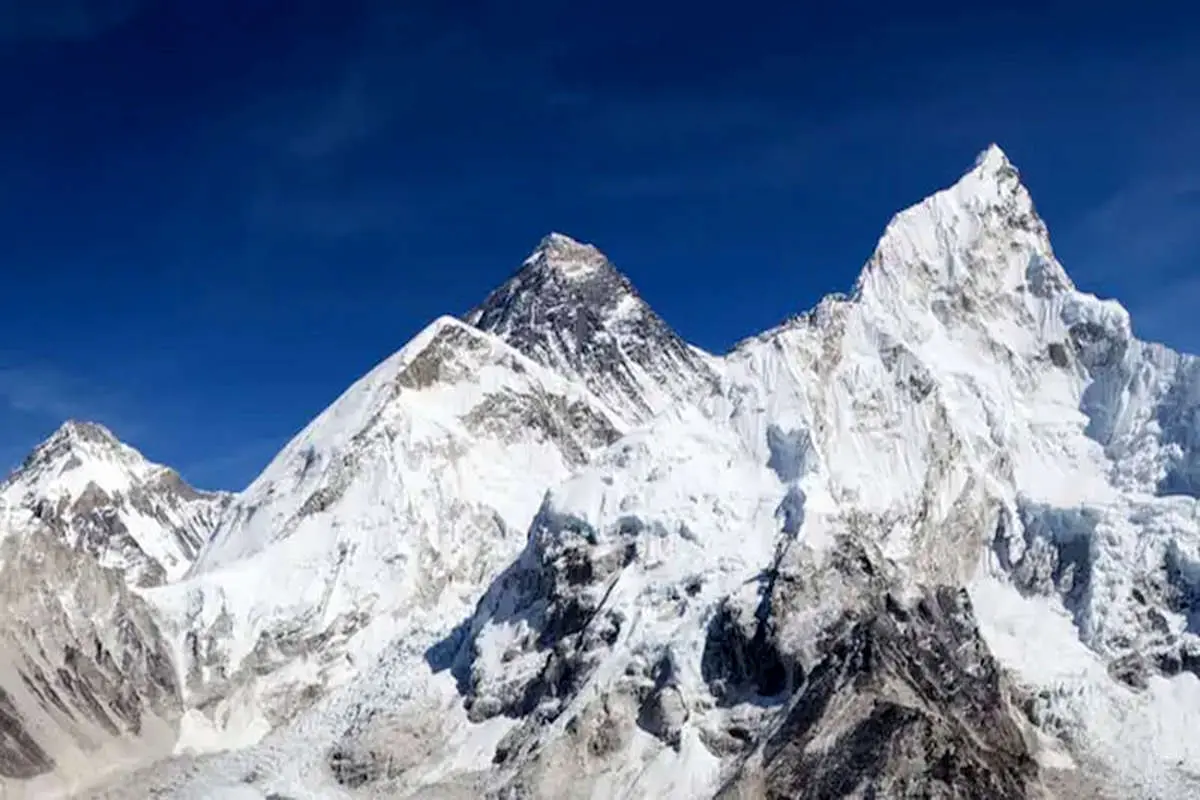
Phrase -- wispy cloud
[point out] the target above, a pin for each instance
(1167, 313)
(1142, 245)
(353, 155)
(729, 144)
(347, 115)
(35, 391)
(1148, 228)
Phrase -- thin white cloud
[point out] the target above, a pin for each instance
(34, 400)
(38, 391)
(1145, 229)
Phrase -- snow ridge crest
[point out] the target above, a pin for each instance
(729, 563)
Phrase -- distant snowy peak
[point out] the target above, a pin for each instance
(75, 443)
(569, 309)
(104, 498)
(573, 260)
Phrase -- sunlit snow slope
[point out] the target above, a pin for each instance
(383, 518)
(937, 537)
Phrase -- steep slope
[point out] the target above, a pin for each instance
(966, 408)
(936, 538)
(382, 519)
(103, 498)
(86, 682)
(571, 311)
(86, 678)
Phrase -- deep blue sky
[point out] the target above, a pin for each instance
(216, 215)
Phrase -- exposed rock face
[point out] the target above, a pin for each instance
(21, 757)
(389, 512)
(819, 566)
(571, 311)
(103, 498)
(906, 703)
(86, 679)
(379, 748)
(854, 689)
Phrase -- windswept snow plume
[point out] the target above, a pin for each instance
(935, 538)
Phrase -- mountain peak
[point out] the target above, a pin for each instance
(981, 235)
(570, 258)
(74, 430)
(77, 442)
(570, 310)
(104, 497)
(992, 160)
(559, 276)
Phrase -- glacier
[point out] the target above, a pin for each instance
(938, 536)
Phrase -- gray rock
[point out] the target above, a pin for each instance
(907, 703)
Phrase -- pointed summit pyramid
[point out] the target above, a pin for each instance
(105, 498)
(993, 159)
(569, 309)
(571, 259)
(956, 253)
(560, 278)
(102, 456)
(387, 515)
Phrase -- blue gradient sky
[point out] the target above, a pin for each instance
(216, 215)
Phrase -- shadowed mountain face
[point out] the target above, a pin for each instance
(907, 703)
(571, 311)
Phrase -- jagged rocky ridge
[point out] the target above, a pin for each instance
(934, 538)
(385, 515)
(103, 498)
(86, 678)
(571, 311)
(904, 701)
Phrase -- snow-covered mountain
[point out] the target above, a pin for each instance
(382, 519)
(104, 498)
(87, 682)
(938, 537)
(965, 418)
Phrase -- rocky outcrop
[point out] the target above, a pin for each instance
(794, 571)
(86, 678)
(905, 703)
(390, 512)
(103, 498)
(571, 311)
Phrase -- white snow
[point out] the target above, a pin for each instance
(966, 409)
(420, 506)
(85, 457)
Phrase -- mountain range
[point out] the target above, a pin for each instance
(936, 537)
